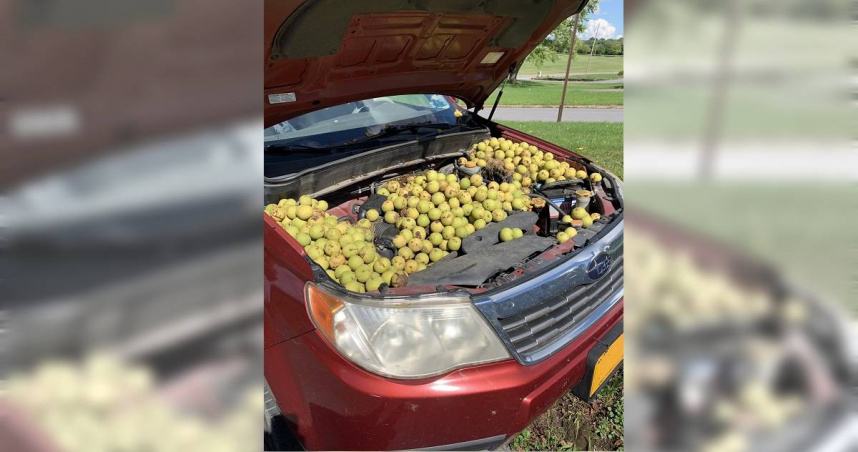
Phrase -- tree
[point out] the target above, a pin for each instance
(540, 55)
(549, 49)
(613, 47)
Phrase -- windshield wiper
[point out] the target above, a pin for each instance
(401, 128)
(295, 147)
(418, 126)
(287, 148)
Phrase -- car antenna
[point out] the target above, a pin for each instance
(500, 93)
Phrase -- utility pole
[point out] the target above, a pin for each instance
(593, 48)
(715, 116)
(568, 66)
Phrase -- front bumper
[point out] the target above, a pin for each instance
(538, 316)
(333, 405)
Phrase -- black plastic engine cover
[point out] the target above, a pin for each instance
(383, 235)
(373, 202)
(488, 235)
(475, 268)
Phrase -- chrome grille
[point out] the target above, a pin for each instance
(534, 329)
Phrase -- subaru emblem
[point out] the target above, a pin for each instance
(600, 265)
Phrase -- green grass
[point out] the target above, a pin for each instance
(608, 76)
(527, 92)
(599, 63)
(582, 77)
(804, 229)
(751, 111)
(600, 141)
(572, 424)
(594, 86)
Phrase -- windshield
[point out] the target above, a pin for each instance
(344, 123)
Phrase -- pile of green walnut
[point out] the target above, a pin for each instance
(433, 212)
(439, 210)
(106, 404)
(344, 250)
(524, 162)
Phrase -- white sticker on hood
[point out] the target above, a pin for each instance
(45, 122)
(281, 98)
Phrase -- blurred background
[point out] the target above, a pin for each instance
(742, 231)
(131, 317)
(132, 312)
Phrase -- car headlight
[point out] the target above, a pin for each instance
(404, 337)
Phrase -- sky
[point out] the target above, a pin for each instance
(608, 19)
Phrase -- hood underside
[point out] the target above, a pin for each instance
(321, 53)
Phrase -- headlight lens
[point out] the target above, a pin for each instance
(404, 337)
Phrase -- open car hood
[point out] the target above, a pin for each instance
(320, 53)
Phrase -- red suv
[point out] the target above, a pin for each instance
(360, 93)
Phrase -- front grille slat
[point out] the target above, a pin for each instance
(527, 347)
(541, 312)
(548, 321)
(538, 327)
(520, 334)
(514, 322)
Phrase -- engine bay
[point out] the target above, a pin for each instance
(472, 216)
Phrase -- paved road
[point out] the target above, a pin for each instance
(529, 77)
(742, 162)
(550, 114)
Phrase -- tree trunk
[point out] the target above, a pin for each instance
(568, 66)
(513, 76)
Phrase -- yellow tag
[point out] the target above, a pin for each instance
(606, 364)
